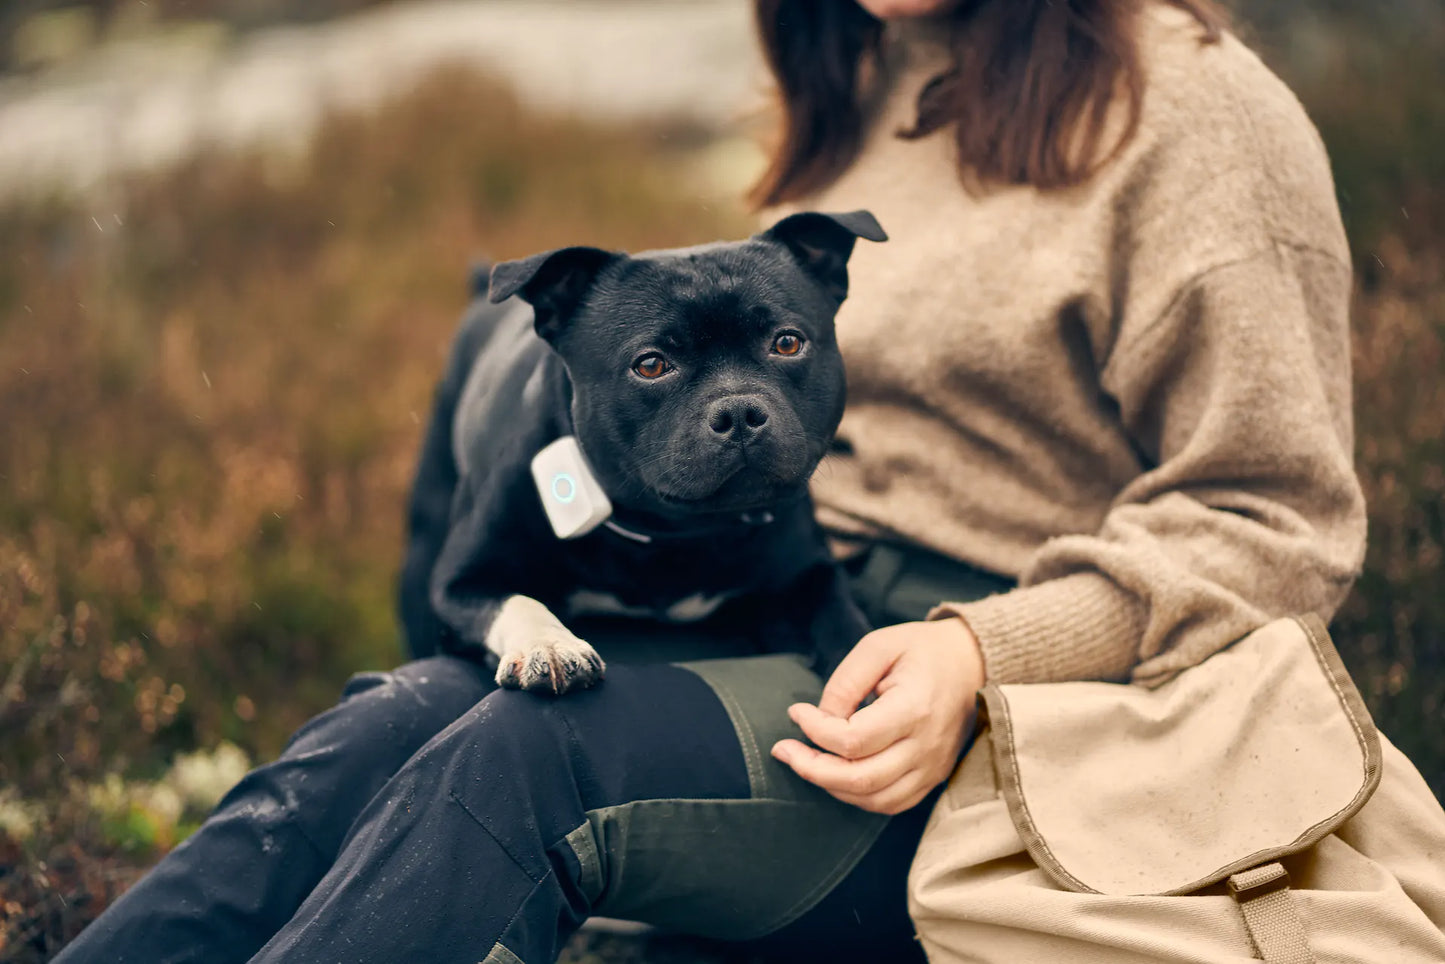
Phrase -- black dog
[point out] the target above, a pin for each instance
(703, 386)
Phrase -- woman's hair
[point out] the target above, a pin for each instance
(1028, 94)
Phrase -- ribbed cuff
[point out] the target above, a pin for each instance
(1079, 627)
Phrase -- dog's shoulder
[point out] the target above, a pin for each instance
(511, 397)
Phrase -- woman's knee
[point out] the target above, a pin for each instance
(447, 681)
(404, 707)
(646, 732)
(335, 763)
(538, 729)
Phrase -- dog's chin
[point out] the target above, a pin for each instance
(745, 490)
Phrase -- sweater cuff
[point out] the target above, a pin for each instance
(1077, 627)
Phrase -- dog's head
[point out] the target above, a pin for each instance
(704, 379)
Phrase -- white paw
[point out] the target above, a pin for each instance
(551, 666)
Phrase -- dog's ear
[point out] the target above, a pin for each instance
(822, 243)
(553, 283)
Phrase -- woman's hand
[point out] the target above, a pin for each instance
(887, 756)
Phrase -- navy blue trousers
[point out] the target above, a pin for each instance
(426, 817)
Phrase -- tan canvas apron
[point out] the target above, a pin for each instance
(1245, 809)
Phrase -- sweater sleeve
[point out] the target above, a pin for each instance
(1237, 398)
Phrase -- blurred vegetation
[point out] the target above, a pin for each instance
(212, 384)
(39, 33)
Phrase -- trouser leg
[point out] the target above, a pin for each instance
(481, 846)
(224, 891)
(865, 917)
(635, 799)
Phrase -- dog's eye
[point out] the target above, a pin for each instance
(651, 365)
(788, 343)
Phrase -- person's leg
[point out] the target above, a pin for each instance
(469, 844)
(865, 917)
(637, 799)
(223, 892)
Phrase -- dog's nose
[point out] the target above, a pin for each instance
(737, 417)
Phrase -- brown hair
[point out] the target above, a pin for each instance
(1028, 93)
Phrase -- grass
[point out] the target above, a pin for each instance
(213, 382)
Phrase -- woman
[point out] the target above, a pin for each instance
(1105, 354)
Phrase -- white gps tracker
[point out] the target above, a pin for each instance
(571, 494)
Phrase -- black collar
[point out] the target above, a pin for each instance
(646, 535)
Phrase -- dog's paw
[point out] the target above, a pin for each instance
(551, 667)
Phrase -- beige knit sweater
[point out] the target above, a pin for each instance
(1134, 395)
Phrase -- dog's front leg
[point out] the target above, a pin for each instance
(816, 607)
(837, 623)
(537, 653)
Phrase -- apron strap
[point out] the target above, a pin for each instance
(1270, 915)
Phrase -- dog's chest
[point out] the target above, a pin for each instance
(689, 609)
